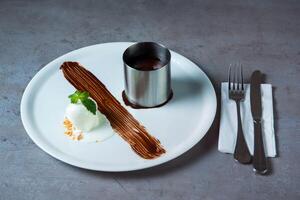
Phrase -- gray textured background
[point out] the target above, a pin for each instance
(262, 34)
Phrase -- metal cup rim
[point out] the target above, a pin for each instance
(166, 62)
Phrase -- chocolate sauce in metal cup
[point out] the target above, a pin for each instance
(147, 75)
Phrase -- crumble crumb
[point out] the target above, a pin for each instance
(71, 132)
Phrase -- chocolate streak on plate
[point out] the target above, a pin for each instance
(136, 106)
(120, 119)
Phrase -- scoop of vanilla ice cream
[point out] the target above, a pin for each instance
(81, 118)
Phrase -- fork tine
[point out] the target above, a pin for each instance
(242, 77)
(234, 77)
(229, 78)
(238, 76)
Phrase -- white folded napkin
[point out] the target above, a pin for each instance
(228, 121)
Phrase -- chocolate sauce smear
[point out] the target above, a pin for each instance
(120, 119)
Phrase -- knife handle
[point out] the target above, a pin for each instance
(241, 152)
(259, 157)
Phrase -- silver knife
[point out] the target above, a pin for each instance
(259, 158)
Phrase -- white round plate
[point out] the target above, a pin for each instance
(179, 125)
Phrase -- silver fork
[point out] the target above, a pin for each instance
(236, 90)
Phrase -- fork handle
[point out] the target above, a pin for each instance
(241, 152)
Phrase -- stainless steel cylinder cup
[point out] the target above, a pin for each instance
(147, 74)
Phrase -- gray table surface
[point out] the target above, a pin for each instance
(262, 34)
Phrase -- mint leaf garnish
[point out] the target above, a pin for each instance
(90, 105)
(74, 98)
(84, 98)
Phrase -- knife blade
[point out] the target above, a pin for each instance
(255, 96)
(259, 158)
